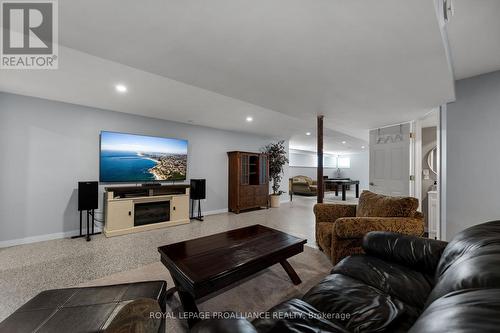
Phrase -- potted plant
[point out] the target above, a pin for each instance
(276, 153)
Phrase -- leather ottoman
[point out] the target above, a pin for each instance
(89, 309)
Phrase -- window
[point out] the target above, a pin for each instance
(302, 160)
(329, 161)
(310, 160)
(344, 162)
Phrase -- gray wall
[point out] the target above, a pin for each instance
(359, 170)
(47, 147)
(473, 153)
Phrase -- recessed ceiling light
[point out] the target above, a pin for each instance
(121, 88)
(308, 133)
(362, 147)
(344, 142)
(249, 119)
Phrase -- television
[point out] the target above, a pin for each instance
(139, 158)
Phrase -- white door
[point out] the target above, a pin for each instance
(390, 160)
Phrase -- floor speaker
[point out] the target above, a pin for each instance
(198, 189)
(87, 195)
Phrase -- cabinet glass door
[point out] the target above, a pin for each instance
(244, 172)
(263, 169)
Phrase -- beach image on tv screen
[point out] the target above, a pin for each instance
(134, 158)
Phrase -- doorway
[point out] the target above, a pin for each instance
(390, 160)
(405, 160)
(428, 169)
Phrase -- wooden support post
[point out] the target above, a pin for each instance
(319, 149)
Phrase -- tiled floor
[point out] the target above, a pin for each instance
(26, 270)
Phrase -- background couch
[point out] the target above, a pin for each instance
(303, 185)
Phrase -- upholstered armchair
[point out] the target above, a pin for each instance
(340, 228)
(303, 185)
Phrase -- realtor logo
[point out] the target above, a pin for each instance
(29, 34)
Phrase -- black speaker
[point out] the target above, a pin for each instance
(87, 195)
(198, 189)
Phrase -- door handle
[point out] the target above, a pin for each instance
(129, 213)
(372, 184)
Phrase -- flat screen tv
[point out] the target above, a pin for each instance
(138, 158)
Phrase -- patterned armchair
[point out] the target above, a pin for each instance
(340, 228)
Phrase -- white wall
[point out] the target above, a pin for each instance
(47, 147)
(473, 155)
(310, 172)
(359, 169)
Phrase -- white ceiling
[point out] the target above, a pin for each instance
(333, 142)
(361, 63)
(474, 37)
(89, 80)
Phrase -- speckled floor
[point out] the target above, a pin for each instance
(26, 270)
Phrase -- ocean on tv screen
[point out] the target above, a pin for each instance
(134, 158)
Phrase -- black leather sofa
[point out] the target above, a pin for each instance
(401, 284)
(91, 309)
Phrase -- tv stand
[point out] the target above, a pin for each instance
(129, 209)
(151, 184)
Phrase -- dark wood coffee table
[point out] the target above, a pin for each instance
(205, 265)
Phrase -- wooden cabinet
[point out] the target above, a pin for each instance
(121, 213)
(179, 208)
(248, 180)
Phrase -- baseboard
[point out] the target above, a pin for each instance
(41, 238)
(67, 234)
(59, 235)
(215, 212)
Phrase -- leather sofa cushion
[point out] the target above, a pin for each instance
(469, 242)
(224, 325)
(421, 254)
(465, 311)
(387, 277)
(471, 260)
(296, 316)
(369, 309)
(378, 205)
